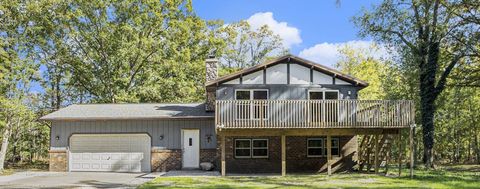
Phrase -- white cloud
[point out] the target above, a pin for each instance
(290, 35)
(328, 54)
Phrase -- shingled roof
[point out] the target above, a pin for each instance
(129, 111)
(292, 59)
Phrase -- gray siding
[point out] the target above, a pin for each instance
(285, 91)
(170, 129)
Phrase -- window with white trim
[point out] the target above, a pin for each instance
(243, 148)
(251, 110)
(251, 148)
(322, 112)
(259, 148)
(317, 147)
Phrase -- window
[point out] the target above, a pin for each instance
(251, 148)
(259, 148)
(242, 148)
(252, 110)
(317, 109)
(317, 147)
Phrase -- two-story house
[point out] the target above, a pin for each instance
(286, 115)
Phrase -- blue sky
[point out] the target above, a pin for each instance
(312, 29)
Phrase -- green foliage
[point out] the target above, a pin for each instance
(131, 51)
(247, 47)
(362, 64)
(434, 38)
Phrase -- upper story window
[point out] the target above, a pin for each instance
(322, 111)
(251, 110)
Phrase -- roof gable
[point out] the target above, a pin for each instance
(290, 59)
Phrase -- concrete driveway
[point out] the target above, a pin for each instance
(73, 180)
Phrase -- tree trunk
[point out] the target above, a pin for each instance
(428, 110)
(3, 151)
(477, 149)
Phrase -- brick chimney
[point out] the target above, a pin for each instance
(211, 74)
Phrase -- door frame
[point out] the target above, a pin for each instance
(182, 147)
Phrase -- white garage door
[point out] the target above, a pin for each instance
(110, 152)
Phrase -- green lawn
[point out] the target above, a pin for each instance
(465, 176)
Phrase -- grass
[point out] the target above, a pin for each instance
(21, 167)
(460, 176)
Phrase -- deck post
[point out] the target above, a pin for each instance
(376, 153)
(223, 154)
(399, 141)
(329, 155)
(284, 156)
(387, 161)
(411, 150)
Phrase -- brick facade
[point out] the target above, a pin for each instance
(297, 160)
(208, 155)
(272, 164)
(166, 160)
(58, 160)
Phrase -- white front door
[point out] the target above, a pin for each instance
(191, 148)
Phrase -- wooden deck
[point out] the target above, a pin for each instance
(253, 114)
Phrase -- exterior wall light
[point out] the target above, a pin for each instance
(161, 137)
(57, 137)
(209, 138)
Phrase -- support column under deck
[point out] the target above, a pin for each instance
(411, 150)
(223, 154)
(329, 154)
(284, 156)
(376, 165)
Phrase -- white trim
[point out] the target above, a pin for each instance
(251, 92)
(250, 148)
(323, 105)
(183, 147)
(322, 147)
(264, 148)
(252, 112)
(242, 148)
(324, 143)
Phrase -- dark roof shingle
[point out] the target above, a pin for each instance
(129, 111)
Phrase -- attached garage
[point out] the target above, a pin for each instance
(110, 152)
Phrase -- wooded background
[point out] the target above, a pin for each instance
(60, 52)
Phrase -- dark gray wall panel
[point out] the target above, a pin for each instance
(282, 92)
(170, 129)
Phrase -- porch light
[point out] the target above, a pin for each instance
(161, 137)
(209, 138)
(57, 137)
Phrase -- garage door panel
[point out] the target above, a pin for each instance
(105, 152)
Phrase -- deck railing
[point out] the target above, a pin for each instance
(314, 113)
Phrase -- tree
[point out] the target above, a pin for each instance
(247, 47)
(123, 51)
(439, 35)
(361, 63)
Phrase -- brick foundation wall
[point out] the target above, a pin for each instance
(297, 160)
(272, 164)
(166, 160)
(208, 155)
(58, 160)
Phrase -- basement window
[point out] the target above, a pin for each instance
(242, 148)
(259, 148)
(317, 147)
(251, 148)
